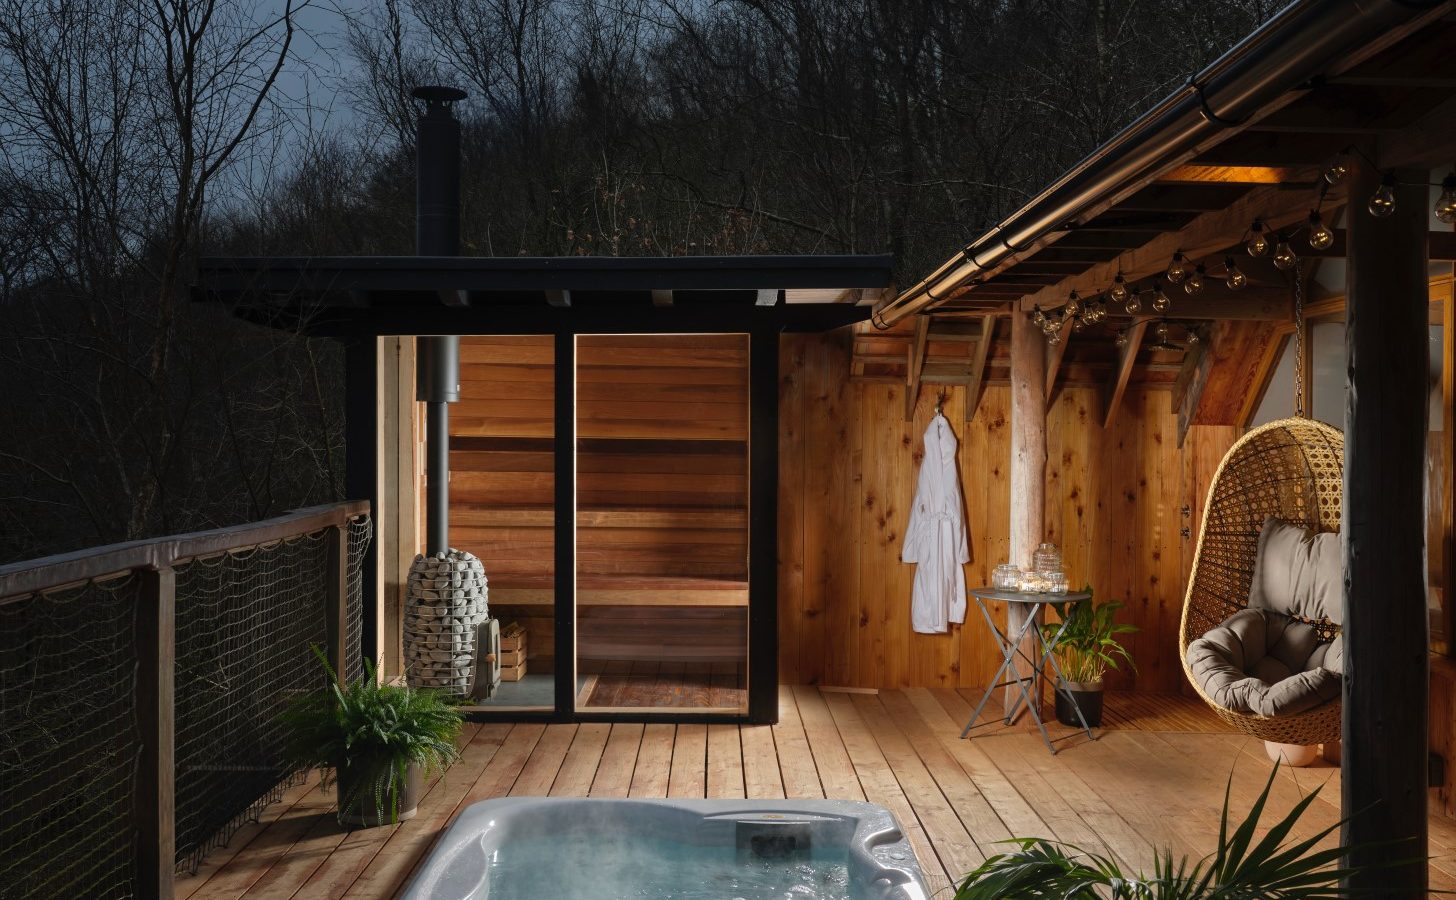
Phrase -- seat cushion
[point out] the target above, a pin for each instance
(1264, 663)
(1298, 572)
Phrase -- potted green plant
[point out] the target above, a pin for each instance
(378, 740)
(1088, 647)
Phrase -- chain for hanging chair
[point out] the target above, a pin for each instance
(1299, 338)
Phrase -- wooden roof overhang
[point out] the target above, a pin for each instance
(1247, 138)
(357, 296)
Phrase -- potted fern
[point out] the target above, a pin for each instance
(378, 740)
(1088, 647)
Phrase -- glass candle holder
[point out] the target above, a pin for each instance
(1006, 577)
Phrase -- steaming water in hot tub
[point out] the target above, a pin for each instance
(525, 848)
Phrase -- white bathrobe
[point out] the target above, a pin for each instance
(936, 536)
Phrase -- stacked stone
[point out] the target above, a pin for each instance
(445, 601)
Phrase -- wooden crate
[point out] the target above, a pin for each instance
(513, 637)
(512, 657)
(513, 673)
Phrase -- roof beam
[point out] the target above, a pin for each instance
(1123, 372)
(1207, 234)
(1271, 148)
(915, 365)
(980, 352)
(1428, 143)
(1183, 198)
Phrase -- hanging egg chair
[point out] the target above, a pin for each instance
(1291, 470)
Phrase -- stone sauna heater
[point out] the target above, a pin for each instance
(450, 643)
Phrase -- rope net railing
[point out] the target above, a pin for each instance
(74, 760)
(69, 741)
(246, 623)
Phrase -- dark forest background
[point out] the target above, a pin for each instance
(137, 134)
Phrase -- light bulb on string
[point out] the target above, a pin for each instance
(1038, 318)
(1335, 172)
(1192, 336)
(1446, 203)
(1160, 299)
(1134, 303)
(1234, 277)
(1074, 304)
(1176, 270)
(1194, 284)
(1118, 292)
(1284, 258)
(1162, 331)
(1382, 202)
(1258, 243)
(1121, 339)
(1320, 235)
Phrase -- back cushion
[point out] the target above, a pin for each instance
(1298, 572)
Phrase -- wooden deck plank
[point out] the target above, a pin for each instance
(188, 885)
(619, 761)
(836, 773)
(1154, 779)
(688, 776)
(761, 777)
(654, 762)
(796, 760)
(881, 786)
(725, 762)
(580, 766)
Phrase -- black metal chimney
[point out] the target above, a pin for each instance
(437, 233)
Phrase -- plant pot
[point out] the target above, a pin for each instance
(364, 812)
(1084, 696)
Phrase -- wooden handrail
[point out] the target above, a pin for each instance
(50, 572)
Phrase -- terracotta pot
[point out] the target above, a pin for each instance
(363, 812)
(1086, 696)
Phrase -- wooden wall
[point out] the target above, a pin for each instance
(847, 476)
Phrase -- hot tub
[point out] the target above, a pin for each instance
(531, 848)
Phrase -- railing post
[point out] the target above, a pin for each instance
(156, 775)
(336, 605)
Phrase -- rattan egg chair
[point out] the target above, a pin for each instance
(1293, 469)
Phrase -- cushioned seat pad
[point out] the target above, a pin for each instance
(1251, 664)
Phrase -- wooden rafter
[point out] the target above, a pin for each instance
(915, 365)
(980, 352)
(1207, 234)
(1123, 372)
(1192, 378)
(1273, 352)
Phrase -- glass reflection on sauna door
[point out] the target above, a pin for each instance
(502, 501)
(662, 522)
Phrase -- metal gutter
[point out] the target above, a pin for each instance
(1292, 49)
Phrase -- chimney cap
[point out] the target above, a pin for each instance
(438, 94)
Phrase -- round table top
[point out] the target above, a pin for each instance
(987, 593)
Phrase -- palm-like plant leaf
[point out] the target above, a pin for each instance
(1239, 869)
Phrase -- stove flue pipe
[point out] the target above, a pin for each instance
(437, 233)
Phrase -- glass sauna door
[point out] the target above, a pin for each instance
(502, 501)
(662, 522)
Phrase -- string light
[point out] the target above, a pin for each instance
(1446, 204)
(1038, 318)
(1258, 243)
(1234, 277)
(1118, 293)
(1134, 303)
(1074, 305)
(1121, 339)
(1176, 270)
(1192, 336)
(1335, 172)
(1160, 299)
(1284, 258)
(1194, 284)
(1320, 236)
(1382, 202)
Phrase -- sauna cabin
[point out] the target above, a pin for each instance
(661, 460)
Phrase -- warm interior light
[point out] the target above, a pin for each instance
(1160, 299)
(1382, 202)
(1194, 284)
(1284, 258)
(1234, 277)
(1119, 289)
(1176, 270)
(1320, 236)
(1258, 243)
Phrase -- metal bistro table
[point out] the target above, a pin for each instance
(1011, 649)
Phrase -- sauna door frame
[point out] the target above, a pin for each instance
(763, 487)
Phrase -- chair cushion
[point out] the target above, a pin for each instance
(1298, 572)
(1262, 662)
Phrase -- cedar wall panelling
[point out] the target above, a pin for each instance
(848, 463)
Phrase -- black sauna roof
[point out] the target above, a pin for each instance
(351, 295)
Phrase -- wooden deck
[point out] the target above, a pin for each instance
(1155, 778)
